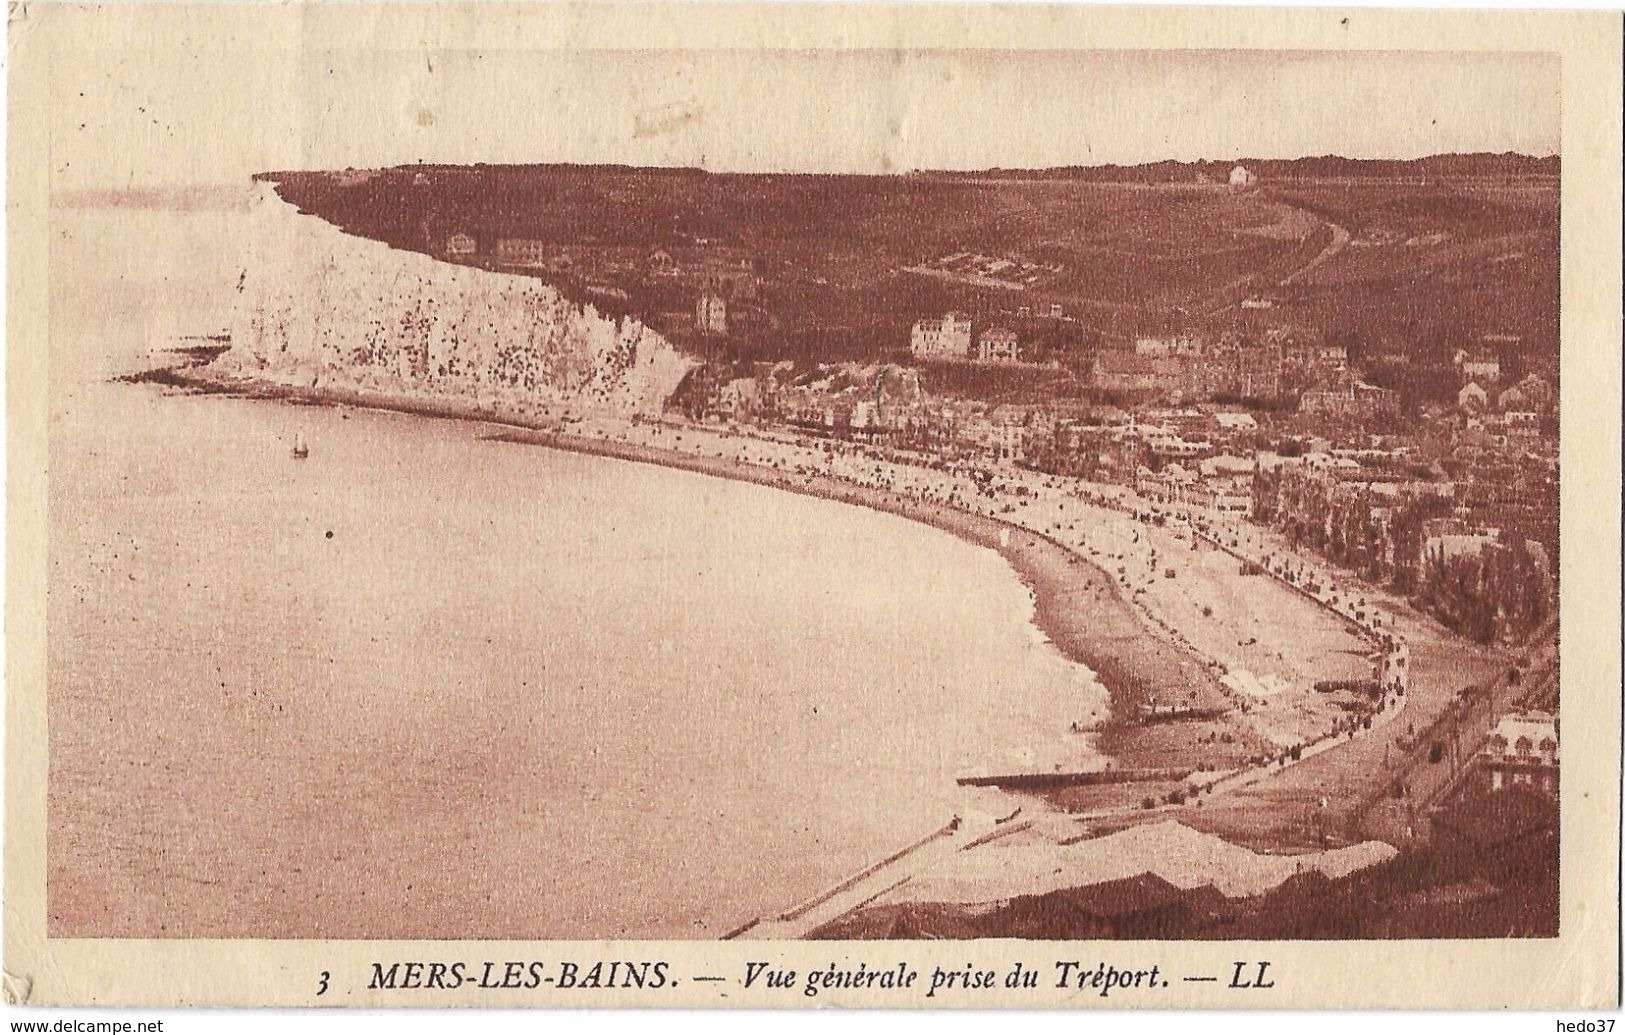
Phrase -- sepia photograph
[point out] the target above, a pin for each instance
(804, 494)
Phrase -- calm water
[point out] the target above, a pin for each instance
(425, 685)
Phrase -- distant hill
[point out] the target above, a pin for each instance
(1508, 164)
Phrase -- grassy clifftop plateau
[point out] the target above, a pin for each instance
(1405, 259)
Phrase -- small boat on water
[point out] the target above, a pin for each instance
(300, 449)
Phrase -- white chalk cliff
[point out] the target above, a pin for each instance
(318, 307)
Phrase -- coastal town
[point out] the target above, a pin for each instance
(1450, 516)
(1455, 507)
(1313, 560)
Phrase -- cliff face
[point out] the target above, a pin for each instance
(318, 307)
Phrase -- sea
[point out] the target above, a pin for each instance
(426, 684)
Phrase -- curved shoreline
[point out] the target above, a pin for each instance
(1077, 605)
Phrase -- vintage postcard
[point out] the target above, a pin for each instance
(796, 505)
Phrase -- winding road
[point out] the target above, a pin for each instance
(1340, 240)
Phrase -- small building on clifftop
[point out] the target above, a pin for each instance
(711, 315)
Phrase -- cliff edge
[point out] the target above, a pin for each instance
(317, 307)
